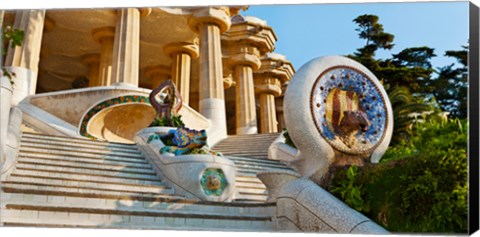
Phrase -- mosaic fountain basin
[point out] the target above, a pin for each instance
(192, 175)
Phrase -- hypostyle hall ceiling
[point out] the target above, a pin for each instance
(71, 38)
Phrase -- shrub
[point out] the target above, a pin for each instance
(421, 186)
(163, 122)
(288, 140)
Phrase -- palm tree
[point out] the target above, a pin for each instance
(406, 109)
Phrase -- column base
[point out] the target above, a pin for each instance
(247, 130)
(25, 83)
(124, 84)
(214, 111)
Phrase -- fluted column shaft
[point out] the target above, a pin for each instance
(126, 47)
(105, 36)
(27, 55)
(209, 23)
(92, 61)
(181, 63)
(182, 54)
(211, 77)
(268, 87)
(245, 113)
(268, 116)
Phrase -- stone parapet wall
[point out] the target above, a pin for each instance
(305, 206)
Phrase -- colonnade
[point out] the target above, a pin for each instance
(242, 45)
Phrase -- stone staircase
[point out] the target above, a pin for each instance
(250, 155)
(67, 182)
(251, 145)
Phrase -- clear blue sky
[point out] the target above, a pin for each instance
(308, 31)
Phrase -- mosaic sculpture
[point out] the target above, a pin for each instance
(339, 115)
(349, 110)
(213, 182)
(166, 100)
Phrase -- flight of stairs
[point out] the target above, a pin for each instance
(251, 145)
(68, 182)
(250, 155)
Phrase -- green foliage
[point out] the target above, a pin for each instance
(13, 35)
(454, 81)
(404, 106)
(372, 31)
(350, 191)
(288, 140)
(15, 38)
(421, 183)
(176, 121)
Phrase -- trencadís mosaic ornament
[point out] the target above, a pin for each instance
(213, 182)
(349, 110)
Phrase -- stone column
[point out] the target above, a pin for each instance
(275, 71)
(105, 36)
(245, 113)
(247, 39)
(28, 55)
(92, 61)
(157, 75)
(126, 47)
(279, 109)
(267, 86)
(209, 23)
(182, 54)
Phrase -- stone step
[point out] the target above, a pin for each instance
(39, 216)
(241, 184)
(248, 179)
(78, 153)
(254, 160)
(90, 158)
(251, 165)
(166, 207)
(87, 178)
(251, 190)
(90, 185)
(66, 148)
(76, 164)
(236, 145)
(251, 197)
(252, 136)
(77, 140)
(32, 188)
(54, 158)
(244, 152)
(85, 171)
(76, 144)
(79, 165)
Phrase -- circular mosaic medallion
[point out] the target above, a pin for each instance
(349, 110)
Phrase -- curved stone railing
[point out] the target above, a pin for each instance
(11, 115)
(191, 175)
(279, 150)
(303, 205)
(339, 114)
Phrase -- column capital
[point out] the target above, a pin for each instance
(181, 47)
(102, 33)
(88, 59)
(152, 72)
(268, 85)
(252, 31)
(246, 59)
(144, 12)
(276, 66)
(219, 16)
